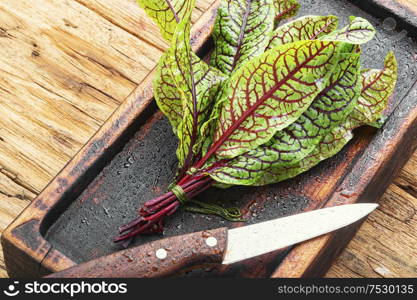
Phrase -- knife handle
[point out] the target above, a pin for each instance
(156, 259)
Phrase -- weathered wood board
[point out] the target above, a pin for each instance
(60, 261)
(61, 77)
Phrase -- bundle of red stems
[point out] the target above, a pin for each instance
(152, 214)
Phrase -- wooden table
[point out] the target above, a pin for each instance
(64, 68)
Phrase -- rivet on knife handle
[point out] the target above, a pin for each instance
(157, 259)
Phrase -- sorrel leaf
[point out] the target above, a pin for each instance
(239, 32)
(166, 13)
(304, 28)
(330, 145)
(377, 87)
(359, 31)
(195, 81)
(285, 9)
(166, 93)
(292, 144)
(271, 92)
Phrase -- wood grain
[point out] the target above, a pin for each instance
(66, 66)
(385, 245)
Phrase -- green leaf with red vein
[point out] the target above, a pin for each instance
(285, 9)
(195, 82)
(329, 146)
(166, 13)
(377, 88)
(304, 28)
(359, 31)
(239, 32)
(166, 93)
(271, 92)
(293, 143)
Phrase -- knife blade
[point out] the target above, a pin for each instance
(254, 240)
(220, 246)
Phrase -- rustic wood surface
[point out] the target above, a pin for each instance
(66, 65)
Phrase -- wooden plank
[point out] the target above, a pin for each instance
(127, 15)
(59, 77)
(402, 11)
(63, 70)
(385, 245)
(37, 137)
(13, 199)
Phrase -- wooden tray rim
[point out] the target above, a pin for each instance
(41, 252)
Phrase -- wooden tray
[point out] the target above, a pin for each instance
(131, 158)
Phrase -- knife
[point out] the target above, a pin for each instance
(219, 246)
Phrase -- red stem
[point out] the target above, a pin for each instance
(159, 199)
(162, 212)
(157, 209)
(161, 204)
(190, 186)
(168, 194)
(133, 232)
